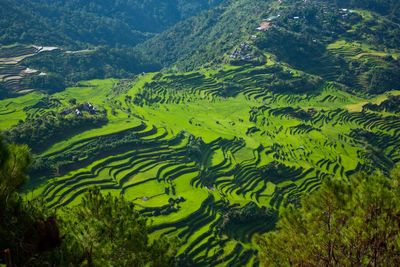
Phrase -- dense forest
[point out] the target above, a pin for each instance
(67, 69)
(78, 24)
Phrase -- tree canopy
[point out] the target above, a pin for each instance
(108, 231)
(344, 223)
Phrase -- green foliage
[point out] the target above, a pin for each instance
(25, 230)
(228, 139)
(108, 231)
(204, 39)
(104, 62)
(14, 162)
(301, 34)
(49, 82)
(381, 79)
(392, 104)
(239, 222)
(101, 35)
(40, 132)
(344, 223)
(81, 23)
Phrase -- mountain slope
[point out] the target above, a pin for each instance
(358, 48)
(210, 156)
(80, 23)
(213, 155)
(207, 37)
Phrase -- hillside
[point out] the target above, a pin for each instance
(355, 47)
(358, 48)
(88, 39)
(195, 150)
(206, 38)
(78, 24)
(211, 123)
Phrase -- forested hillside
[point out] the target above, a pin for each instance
(358, 48)
(78, 23)
(83, 39)
(206, 38)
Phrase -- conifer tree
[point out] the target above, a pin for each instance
(345, 223)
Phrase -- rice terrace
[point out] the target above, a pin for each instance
(210, 156)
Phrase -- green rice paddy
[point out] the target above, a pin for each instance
(256, 146)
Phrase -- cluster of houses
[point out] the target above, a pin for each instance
(85, 107)
(242, 52)
(88, 107)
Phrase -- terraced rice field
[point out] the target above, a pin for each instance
(12, 71)
(185, 153)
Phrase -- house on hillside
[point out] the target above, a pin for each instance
(89, 107)
(264, 26)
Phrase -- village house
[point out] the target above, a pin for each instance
(88, 107)
(264, 25)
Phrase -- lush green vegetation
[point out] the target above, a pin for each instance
(108, 231)
(345, 223)
(249, 151)
(355, 47)
(103, 230)
(80, 23)
(205, 39)
(212, 151)
(74, 67)
(40, 129)
(95, 39)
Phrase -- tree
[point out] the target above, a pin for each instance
(26, 232)
(102, 231)
(108, 231)
(346, 223)
(14, 162)
(72, 101)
